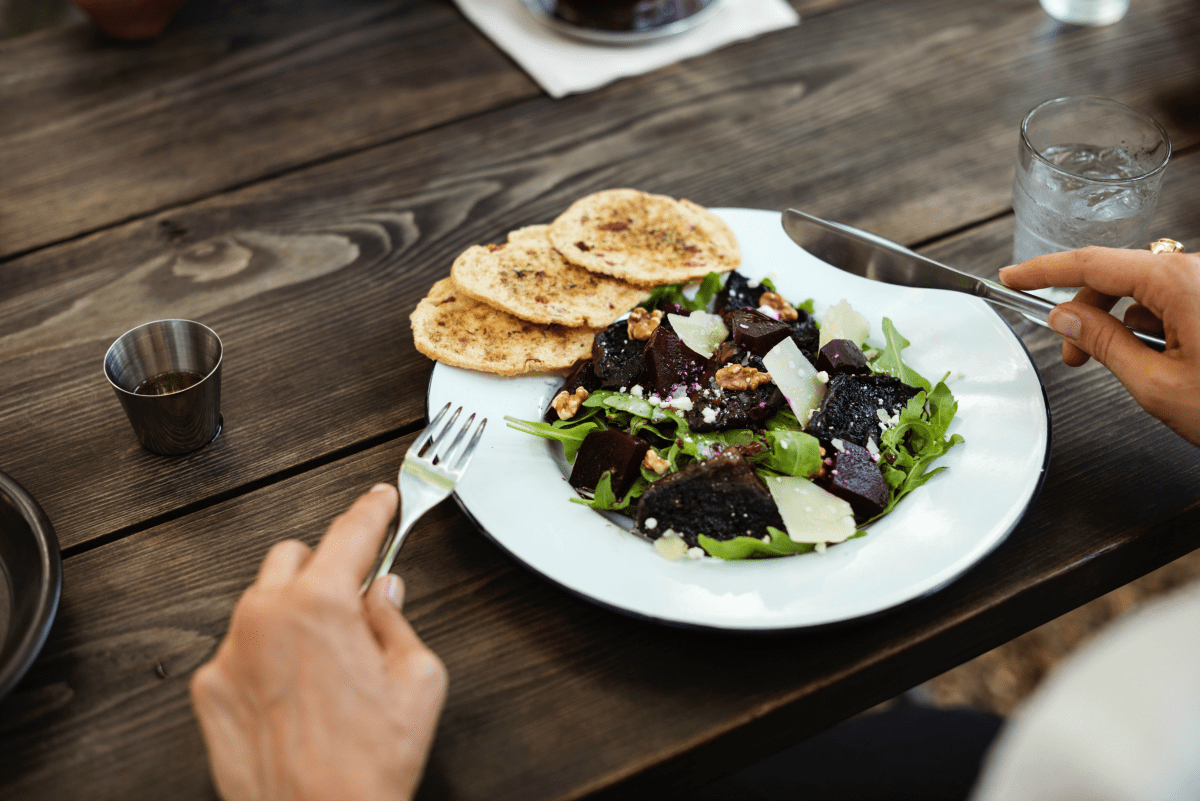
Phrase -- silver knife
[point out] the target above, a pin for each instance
(871, 256)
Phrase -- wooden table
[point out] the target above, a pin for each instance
(297, 174)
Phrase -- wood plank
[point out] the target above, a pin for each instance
(871, 118)
(310, 277)
(97, 131)
(105, 714)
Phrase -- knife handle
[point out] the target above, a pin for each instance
(1037, 309)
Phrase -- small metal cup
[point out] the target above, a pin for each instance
(165, 357)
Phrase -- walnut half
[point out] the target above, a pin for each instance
(642, 323)
(567, 404)
(787, 312)
(735, 376)
(652, 461)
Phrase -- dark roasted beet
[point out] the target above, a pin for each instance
(755, 331)
(850, 409)
(581, 375)
(675, 308)
(670, 364)
(720, 497)
(617, 360)
(855, 478)
(842, 356)
(750, 408)
(608, 450)
(806, 334)
(737, 294)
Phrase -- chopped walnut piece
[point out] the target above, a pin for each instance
(642, 323)
(652, 461)
(567, 405)
(735, 376)
(787, 312)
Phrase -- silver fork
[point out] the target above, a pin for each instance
(426, 479)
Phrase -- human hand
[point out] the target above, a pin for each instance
(130, 19)
(1166, 288)
(316, 693)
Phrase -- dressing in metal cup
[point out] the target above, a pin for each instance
(167, 375)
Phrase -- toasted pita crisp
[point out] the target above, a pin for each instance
(452, 328)
(528, 278)
(644, 239)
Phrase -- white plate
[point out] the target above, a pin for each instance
(516, 492)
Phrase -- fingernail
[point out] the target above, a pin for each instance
(380, 487)
(1064, 323)
(395, 590)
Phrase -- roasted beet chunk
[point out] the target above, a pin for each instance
(842, 356)
(737, 294)
(855, 478)
(581, 375)
(717, 409)
(755, 331)
(806, 334)
(617, 360)
(608, 450)
(670, 364)
(720, 497)
(850, 411)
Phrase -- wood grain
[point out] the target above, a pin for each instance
(105, 712)
(310, 276)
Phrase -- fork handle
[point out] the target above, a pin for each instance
(397, 533)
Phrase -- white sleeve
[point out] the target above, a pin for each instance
(1120, 720)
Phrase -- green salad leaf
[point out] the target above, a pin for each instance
(892, 363)
(749, 547)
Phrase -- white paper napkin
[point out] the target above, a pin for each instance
(563, 65)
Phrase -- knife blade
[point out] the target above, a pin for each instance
(872, 256)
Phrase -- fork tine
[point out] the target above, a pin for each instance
(435, 439)
(427, 435)
(444, 456)
(465, 456)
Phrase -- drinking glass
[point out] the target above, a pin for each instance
(1089, 171)
(1086, 12)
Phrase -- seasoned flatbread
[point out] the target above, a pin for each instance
(528, 278)
(452, 328)
(644, 239)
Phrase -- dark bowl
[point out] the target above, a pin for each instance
(30, 581)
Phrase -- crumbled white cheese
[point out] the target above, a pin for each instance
(695, 553)
(636, 390)
(823, 377)
(769, 312)
(653, 400)
(669, 533)
(752, 283)
(709, 415)
(820, 547)
(671, 548)
(871, 446)
(651, 523)
(838, 445)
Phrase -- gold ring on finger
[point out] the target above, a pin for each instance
(1165, 246)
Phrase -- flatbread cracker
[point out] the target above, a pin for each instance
(644, 239)
(528, 278)
(454, 329)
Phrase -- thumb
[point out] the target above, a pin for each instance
(383, 603)
(1107, 340)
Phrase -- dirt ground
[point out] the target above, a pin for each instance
(1000, 679)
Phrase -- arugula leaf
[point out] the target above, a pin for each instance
(571, 436)
(908, 449)
(605, 499)
(667, 294)
(791, 453)
(890, 361)
(749, 547)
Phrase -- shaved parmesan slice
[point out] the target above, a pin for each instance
(810, 514)
(843, 322)
(796, 378)
(700, 331)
